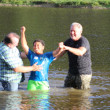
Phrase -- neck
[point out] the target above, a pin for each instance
(40, 53)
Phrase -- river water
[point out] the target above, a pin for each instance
(52, 25)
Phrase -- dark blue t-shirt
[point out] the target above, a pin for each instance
(44, 60)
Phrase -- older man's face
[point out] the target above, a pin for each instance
(75, 33)
(15, 41)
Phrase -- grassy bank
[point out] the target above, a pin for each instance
(61, 3)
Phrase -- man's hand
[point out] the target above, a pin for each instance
(36, 67)
(62, 46)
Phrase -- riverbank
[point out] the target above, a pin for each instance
(53, 5)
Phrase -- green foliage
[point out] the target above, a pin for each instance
(17, 2)
(107, 2)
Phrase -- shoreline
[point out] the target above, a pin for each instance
(47, 5)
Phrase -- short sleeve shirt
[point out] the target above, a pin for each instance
(79, 64)
(44, 60)
(9, 59)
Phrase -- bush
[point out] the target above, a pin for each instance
(18, 2)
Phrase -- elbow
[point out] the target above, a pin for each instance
(15, 70)
(80, 54)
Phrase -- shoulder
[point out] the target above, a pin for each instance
(49, 55)
(84, 42)
(4, 50)
(68, 41)
(3, 46)
(30, 51)
(84, 38)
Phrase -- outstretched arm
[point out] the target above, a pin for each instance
(23, 40)
(76, 51)
(25, 69)
(59, 51)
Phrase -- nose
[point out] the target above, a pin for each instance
(72, 32)
(37, 46)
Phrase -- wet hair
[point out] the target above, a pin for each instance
(38, 40)
(78, 25)
(7, 38)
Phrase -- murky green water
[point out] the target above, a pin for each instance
(52, 25)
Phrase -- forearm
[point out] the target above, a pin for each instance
(23, 40)
(23, 69)
(60, 51)
(76, 51)
(60, 55)
(57, 52)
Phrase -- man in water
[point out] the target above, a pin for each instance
(78, 49)
(11, 65)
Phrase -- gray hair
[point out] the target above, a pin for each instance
(78, 25)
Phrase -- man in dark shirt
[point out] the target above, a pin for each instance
(78, 49)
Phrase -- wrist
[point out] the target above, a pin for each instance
(67, 48)
(32, 68)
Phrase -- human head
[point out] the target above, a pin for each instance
(38, 46)
(11, 40)
(76, 31)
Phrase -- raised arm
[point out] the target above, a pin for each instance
(23, 40)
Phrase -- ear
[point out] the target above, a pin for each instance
(43, 47)
(9, 45)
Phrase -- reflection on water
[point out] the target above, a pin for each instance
(70, 99)
(10, 101)
(37, 100)
(46, 100)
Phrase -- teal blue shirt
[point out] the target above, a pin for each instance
(44, 60)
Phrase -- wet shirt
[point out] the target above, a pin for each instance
(9, 59)
(79, 64)
(44, 60)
